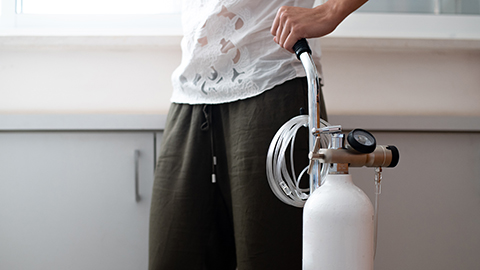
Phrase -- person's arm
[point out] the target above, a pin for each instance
(294, 23)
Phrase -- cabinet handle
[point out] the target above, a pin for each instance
(137, 192)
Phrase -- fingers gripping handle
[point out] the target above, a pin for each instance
(300, 47)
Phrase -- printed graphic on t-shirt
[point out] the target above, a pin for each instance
(213, 41)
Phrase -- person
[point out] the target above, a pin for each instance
(212, 207)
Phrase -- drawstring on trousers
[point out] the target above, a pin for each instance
(207, 125)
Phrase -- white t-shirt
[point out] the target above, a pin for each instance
(228, 52)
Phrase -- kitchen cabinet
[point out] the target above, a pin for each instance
(68, 199)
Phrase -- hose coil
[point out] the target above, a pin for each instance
(282, 178)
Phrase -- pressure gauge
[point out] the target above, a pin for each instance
(361, 141)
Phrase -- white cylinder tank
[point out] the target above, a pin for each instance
(338, 227)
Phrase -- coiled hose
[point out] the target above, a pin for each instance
(282, 178)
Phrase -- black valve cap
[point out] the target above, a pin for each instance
(300, 47)
(395, 156)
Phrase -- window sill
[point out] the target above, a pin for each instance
(117, 38)
(139, 122)
(369, 31)
(410, 26)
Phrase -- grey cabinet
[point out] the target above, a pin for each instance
(68, 199)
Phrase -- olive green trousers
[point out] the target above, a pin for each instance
(212, 207)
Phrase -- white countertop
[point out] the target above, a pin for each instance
(154, 122)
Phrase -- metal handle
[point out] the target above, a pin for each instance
(300, 47)
(304, 53)
(137, 192)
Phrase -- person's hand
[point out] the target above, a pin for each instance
(294, 23)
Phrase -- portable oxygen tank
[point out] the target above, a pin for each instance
(338, 227)
(338, 217)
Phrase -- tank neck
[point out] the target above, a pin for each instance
(337, 143)
(338, 179)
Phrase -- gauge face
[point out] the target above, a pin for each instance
(362, 141)
(364, 138)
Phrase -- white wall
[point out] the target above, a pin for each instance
(402, 81)
(87, 75)
(132, 75)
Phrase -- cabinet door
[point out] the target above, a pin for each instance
(68, 200)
